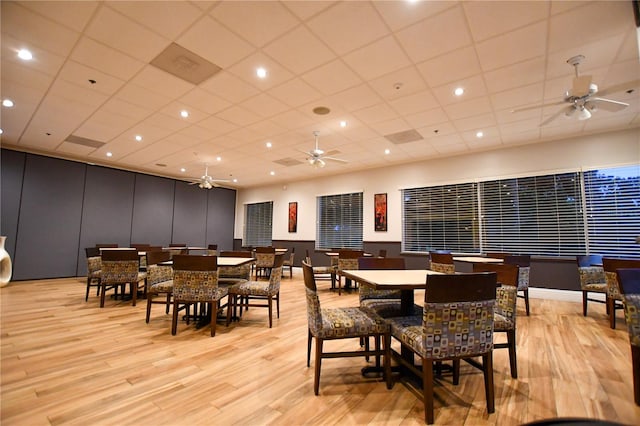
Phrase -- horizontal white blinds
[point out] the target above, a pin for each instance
(613, 211)
(539, 215)
(441, 217)
(339, 221)
(258, 224)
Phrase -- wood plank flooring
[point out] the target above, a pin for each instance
(67, 362)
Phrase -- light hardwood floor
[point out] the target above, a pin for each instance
(68, 362)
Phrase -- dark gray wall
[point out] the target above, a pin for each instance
(52, 209)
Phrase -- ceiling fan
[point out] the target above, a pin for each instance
(582, 97)
(206, 181)
(316, 156)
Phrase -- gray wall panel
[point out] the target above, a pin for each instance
(220, 213)
(152, 210)
(106, 215)
(190, 215)
(12, 169)
(50, 214)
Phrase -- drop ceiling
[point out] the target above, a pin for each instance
(383, 67)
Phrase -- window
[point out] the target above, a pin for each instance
(441, 217)
(258, 220)
(339, 221)
(613, 210)
(534, 215)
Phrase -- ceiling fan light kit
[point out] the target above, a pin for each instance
(206, 181)
(316, 156)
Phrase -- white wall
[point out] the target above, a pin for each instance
(601, 150)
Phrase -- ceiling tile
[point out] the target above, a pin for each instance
(247, 71)
(204, 101)
(510, 48)
(299, 51)
(475, 123)
(427, 118)
(457, 65)
(504, 16)
(519, 97)
(521, 74)
(469, 108)
(400, 14)
(295, 92)
(331, 78)
(414, 103)
(399, 83)
(473, 87)
(376, 113)
(110, 61)
(356, 98)
(239, 116)
(161, 82)
(229, 87)
(264, 105)
(379, 58)
(166, 18)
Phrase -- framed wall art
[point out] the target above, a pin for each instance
(380, 204)
(293, 217)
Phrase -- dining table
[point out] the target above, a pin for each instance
(222, 261)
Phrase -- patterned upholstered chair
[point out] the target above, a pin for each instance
(629, 280)
(159, 280)
(347, 259)
(524, 269)
(178, 248)
(504, 315)
(441, 262)
(94, 263)
(195, 281)
(342, 323)
(614, 297)
(441, 336)
(119, 268)
(592, 279)
(265, 256)
(385, 303)
(230, 275)
(319, 272)
(212, 250)
(255, 293)
(288, 263)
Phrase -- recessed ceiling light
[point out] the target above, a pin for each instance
(459, 91)
(138, 138)
(343, 123)
(183, 170)
(479, 134)
(109, 154)
(261, 72)
(7, 103)
(1, 132)
(387, 151)
(235, 180)
(269, 145)
(184, 113)
(272, 173)
(218, 158)
(25, 54)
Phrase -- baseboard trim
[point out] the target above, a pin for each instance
(561, 295)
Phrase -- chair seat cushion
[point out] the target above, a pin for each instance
(251, 288)
(408, 330)
(162, 287)
(323, 269)
(340, 323)
(95, 274)
(230, 281)
(388, 308)
(502, 323)
(596, 287)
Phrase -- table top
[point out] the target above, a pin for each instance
(391, 279)
(335, 254)
(477, 259)
(223, 261)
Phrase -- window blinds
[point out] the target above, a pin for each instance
(339, 221)
(258, 224)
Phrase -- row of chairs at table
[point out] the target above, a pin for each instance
(191, 280)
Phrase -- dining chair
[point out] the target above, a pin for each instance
(178, 248)
(441, 262)
(498, 254)
(319, 272)
(382, 253)
(255, 293)
(195, 281)
(94, 264)
(592, 279)
(265, 256)
(107, 245)
(504, 314)
(347, 259)
(288, 263)
(119, 268)
(230, 275)
(385, 303)
(524, 268)
(342, 323)
(629, 280)
(212, 250)
(159, 280)
(614, 297)
(441, 336)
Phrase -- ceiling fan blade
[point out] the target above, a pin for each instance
(633, 84)
(608, 104)
(557, 114)
(527, 108)
(581, 86)
(337, 160)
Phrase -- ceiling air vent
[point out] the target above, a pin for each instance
(404, 137)
(84, 141)
(185, 64)
(288, 162)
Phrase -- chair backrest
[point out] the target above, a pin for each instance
(381, 263)
(92, 252)
(265, 257)
(444, 258)
(156, 256)
(498, 254)
(522, 260)
(195, 278)
(589, 260)
(107, 245)
(140, 246)
(506, 274)
(350, 254)
(265, 249)
(212, 250)
(121, 254)
(120, 266)
(212, 247)
(629, 280)
(177, 245)
(382, 253)
(235, 253)
(309, 279)
(611, 267)
(473, 297)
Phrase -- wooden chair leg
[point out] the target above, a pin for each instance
(513, 362)
(230, 303)
(456, 372)
(427, 390)
(102, 293)
(487, 368)
(270, 303)
(174, 319)
(612, 312)
(585, 296)
(134, 292)
(278, 303)
(387, 360)
(309, 337)
(213, 309)
(167, 304)
(86, 297)
(149, 301)
(635, 365)
(526, 300)
(318, 361)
